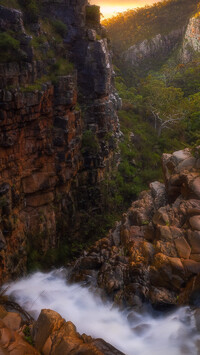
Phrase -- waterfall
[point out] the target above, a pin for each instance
(140, 334)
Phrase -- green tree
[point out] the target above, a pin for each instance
(164, 104)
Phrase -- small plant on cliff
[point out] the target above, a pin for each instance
(89, 143)
(59, 27)
(8, 46)
(10, 3)
(62, 67)
(31, 10)
(27, 335)
(92, 15)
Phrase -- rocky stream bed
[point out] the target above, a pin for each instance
(138, 288)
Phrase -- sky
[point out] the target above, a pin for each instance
(112, 7)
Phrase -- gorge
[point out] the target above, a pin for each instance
(75, 156)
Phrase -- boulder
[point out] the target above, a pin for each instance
(47, 322)
(183, 248)
(195, 222)
(12, 321)
(54, 336)
(194, 240)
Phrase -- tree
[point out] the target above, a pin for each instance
(164, 104)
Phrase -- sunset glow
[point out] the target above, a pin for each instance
(109, 11)
(111, 8)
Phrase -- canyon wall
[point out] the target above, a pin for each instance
(49, 180)
(191, 43)
(159, 48)
(154, 50)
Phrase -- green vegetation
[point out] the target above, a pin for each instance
(37, 85)
(31, 10)
(134, 26)
(92, 15)
(89, 143)
(62, 67)
(3, 201)
(59, 27)
(27, 335)
(9, 47)
(10, 3)
(36, 42)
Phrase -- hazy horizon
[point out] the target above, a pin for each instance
(110, 8)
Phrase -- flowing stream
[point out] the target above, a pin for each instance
(171, 334)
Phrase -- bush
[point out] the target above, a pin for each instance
(59, 27)
(31, 9)
(61, 67)
(10, 3)
(7, 42)
(8, 47)
(89, 143)
(92, 15)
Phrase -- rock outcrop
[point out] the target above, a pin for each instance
(12, 337)
(153, 254)
(49, 181)
(154, 50)
(191, 43)
(53, 335)
(50, 334)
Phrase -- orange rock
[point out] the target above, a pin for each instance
(12, 320)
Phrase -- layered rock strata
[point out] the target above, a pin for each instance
(153, 254)
(49, 182)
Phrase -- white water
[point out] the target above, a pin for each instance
(174, 334)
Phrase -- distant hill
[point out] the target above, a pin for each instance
(133, 26)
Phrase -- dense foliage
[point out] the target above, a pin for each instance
(134, 26)
(156, 117)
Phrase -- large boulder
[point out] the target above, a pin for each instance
(52, 335)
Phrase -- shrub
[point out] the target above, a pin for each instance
(59, 27)
(36, 42)
(92, 15)
(27, 335)
(89, 142)
(9, 47)
(10, 3)
(7, 42)
(31, 9)
(62, 67)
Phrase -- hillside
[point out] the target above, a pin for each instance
(160, 94)
(133, 26)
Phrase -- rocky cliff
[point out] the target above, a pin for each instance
(191, 43)
(153, 253)
(58, 134)
(155, 50)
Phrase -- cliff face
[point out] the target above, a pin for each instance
(49, 181)
(150, 51)
(153, 254)
(191, 44)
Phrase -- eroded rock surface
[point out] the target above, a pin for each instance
(49, 181)
(153, 254)
(147, 52)
(191, 43)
